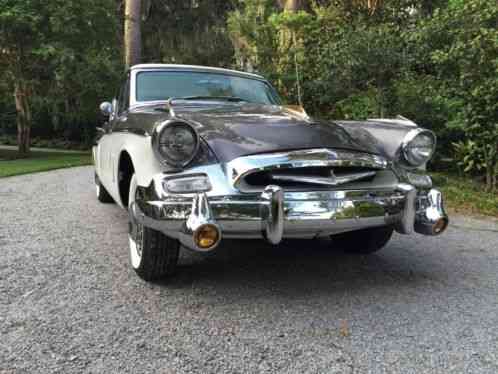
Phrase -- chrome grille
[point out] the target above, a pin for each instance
(306, 177)
(304, 169)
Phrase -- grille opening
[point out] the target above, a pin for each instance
(261, 179)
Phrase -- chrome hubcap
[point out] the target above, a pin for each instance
(136, 240)
(136, 232)
(139, 239)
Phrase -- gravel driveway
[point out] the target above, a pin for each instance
(69, 302)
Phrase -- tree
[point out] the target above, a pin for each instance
(22, 25)
(51, 56)
(464, 38)
(132, 33)
(194, 33)
(293, 5)
(253, 36)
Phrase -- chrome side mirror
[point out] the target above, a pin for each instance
(106, 108)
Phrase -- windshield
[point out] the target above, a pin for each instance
(162, 85)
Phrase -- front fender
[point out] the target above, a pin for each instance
(145, 163)
(384, 135)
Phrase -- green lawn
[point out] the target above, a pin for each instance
(40, 161)
(463, 195)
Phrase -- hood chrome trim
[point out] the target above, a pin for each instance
(240, 167)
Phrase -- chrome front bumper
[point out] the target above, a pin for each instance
(275, 214)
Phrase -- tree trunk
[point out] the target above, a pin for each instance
(294, 5)
(21, 95)
(132, 37)
(371, 5)
(495, 178)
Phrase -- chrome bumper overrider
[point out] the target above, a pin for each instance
(275, 214)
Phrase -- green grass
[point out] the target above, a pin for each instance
(464, 195)
(39, 161)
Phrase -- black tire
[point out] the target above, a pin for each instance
(153, 255)
(102, 194)
(363, 241)
(159, 255)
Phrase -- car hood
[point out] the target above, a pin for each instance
(245, 129)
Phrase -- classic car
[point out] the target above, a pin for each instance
(197, 154)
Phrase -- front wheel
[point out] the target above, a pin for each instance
(363, 241)
(153, 255)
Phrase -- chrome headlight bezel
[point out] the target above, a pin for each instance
(164, 158)
(408, 159)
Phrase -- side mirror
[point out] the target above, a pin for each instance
(106, 108)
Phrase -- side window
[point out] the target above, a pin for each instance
(124, 97)
(119, 100)
(125, 102)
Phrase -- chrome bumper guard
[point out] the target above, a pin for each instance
(431, 218)
(275, 214)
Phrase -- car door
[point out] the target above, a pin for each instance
(108, 144)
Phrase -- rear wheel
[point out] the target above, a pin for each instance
(363, 241)
(153, 255)
(102, 194)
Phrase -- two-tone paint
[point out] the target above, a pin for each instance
(234, 134)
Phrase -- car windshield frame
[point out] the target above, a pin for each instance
(272, 95)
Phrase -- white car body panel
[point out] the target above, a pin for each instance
(107, 155)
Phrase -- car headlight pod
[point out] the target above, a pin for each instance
(175, 143)
(418, 147)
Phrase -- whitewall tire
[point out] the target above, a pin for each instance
(153, 255)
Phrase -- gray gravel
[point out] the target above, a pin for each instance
(69, 302)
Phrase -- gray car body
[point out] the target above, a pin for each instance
(232, 130)
(374, 186)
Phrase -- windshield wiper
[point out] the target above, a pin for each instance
(233, 99)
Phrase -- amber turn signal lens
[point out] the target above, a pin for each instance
(440, 226)
(207, 236)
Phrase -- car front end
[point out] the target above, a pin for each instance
(295, 194)
(200, 154)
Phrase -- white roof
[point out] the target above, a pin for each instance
(194, 68)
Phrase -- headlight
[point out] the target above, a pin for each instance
(175, 142)
(418, 147)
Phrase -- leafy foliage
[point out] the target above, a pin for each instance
(470, 158)
(432, 61)
(187, 32)
(466, 58)
(63, 56)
